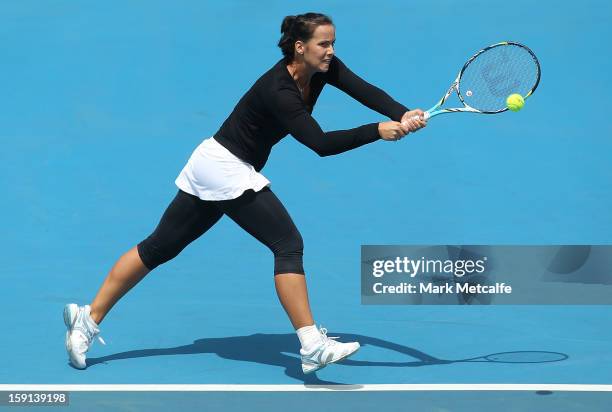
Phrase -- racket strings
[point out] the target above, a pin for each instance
(496, 73)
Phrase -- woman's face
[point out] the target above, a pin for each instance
(319, 50)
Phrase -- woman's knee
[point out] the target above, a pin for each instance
(153, 253)
(288, 253)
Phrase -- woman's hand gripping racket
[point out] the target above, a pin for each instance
(489, 77)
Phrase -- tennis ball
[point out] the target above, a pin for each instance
(515, 102)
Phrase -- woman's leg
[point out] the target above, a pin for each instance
(263, 216)
(185, 219)
(293, 295)
(126, 273)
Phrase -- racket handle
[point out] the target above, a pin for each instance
(425, 116)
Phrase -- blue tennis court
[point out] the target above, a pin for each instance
(103, 104)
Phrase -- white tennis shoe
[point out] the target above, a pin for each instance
(329, 351)
(82, 331)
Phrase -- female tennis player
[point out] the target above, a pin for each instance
(222, 178)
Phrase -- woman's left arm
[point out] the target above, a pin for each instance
(367, 94)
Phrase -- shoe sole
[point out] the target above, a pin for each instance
(329, 363)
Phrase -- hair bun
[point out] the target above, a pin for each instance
(287, 23)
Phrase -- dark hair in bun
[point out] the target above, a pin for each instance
(300, 27)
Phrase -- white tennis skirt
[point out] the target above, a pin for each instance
(214, 173)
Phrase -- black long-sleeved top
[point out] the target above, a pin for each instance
(274, 107)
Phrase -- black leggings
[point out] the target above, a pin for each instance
(259, 213)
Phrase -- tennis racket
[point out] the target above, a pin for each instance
(489, 77)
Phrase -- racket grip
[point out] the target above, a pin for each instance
(425, 116)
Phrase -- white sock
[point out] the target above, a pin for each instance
(310, 337)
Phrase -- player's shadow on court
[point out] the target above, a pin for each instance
(282, 350)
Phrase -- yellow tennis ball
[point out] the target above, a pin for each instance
(515, 102)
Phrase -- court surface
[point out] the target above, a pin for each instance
(103, 103)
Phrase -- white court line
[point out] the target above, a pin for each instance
(305, 388)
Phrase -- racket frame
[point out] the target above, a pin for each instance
(456, 86)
